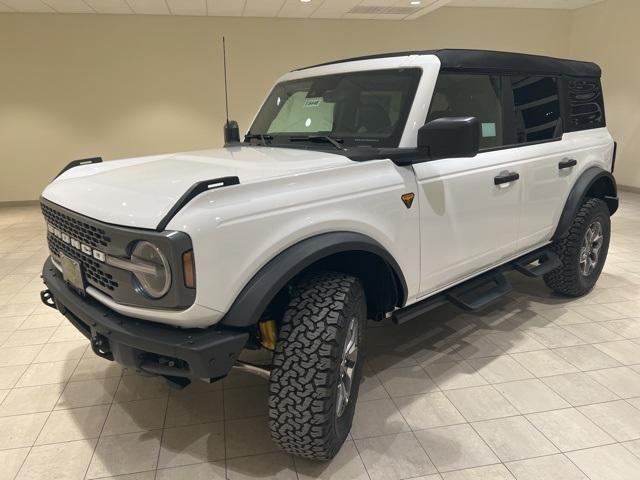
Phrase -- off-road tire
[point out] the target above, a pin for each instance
(567, 279)
(306, 365)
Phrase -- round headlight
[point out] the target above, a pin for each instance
(154, 274)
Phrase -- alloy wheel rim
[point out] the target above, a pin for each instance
(591, 247)
(347, 366)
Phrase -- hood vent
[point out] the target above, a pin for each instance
(373, 10)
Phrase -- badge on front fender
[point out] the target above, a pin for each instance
(407, 199)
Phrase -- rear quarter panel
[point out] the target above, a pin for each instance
(591, 148)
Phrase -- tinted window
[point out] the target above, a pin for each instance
(360, 108)
(537, 108)
(462, 95)
(586, 106)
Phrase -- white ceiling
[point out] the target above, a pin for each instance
(365, 9)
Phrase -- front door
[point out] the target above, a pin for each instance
(469, 207)
(467, 221)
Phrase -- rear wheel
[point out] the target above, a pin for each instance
(317, 365)
(583, 250)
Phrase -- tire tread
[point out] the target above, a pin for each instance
(306, 365)
(566, 278)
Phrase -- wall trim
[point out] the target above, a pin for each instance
(629, 188)
(19, 203)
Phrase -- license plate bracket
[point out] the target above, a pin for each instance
(72, 273)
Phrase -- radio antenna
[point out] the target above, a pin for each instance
(226, 92)
(231, 130)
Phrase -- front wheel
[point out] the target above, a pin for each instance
(317, 365)
(583, 250)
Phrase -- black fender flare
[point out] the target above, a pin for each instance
(256, 295)
(594, 181)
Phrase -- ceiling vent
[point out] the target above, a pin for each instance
(373, 10)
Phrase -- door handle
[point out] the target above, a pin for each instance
(567, 163)
(506, 178)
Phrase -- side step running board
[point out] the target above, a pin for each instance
(477, 293)
(418, 309)
(547, 261)
(472, 295)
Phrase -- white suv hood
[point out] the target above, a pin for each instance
(139, 192)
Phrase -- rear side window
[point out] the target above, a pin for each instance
(537, 108)
(586, 105)
(464, 95)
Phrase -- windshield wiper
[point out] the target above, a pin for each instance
(264, 139)
(336, 142)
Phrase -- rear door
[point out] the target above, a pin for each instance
(469, 207)
(546, 157)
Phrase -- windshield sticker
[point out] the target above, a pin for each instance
(488, 130)
(312, 102)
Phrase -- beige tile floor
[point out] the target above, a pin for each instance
(536, 387)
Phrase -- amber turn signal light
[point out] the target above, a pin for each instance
(189, 269)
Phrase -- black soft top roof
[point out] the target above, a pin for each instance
(491, 61)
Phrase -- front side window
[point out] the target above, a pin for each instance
(355, 108)
(537, 108)
(471, 95)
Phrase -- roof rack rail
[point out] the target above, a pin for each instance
(195, 190)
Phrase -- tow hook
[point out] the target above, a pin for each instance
(47, 298)
(100, 346)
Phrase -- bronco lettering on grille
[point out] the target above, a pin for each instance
(75, 243)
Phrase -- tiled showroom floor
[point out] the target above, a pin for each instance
(536, 387)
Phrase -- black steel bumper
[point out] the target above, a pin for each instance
(147, 347)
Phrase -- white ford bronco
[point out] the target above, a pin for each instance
(370, 188)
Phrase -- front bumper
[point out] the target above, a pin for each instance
(147, 347)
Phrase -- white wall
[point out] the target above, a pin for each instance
(74, 86)
(607, 33)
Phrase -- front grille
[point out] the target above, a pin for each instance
(92, 268)
(85, 232)
(91, 242)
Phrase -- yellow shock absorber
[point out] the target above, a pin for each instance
(268, 334)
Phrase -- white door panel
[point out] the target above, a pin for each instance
(467, 222)
(545, 188)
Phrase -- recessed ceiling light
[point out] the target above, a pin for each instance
(305, 1)
(413, 2)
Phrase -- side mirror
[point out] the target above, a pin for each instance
(231, 133)
(449, 137)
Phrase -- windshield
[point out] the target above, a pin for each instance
(355, 108)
